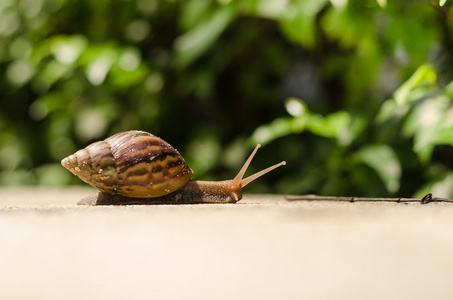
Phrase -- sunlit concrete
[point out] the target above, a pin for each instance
(263, 247)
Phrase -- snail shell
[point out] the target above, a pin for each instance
(133, 163)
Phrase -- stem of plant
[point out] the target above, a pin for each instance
(428, 198)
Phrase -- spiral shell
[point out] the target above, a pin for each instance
(132, 163)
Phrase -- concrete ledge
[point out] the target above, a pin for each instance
(263, 247)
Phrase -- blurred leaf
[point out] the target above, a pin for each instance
(52, 175)
(203, 152)
(339, 125)
(349, 25)
(19, 72)
(276, 9)
(411, 38)
(449, 90)
(91, 123)
(12, 152)
(194, 11)
(52, 101)
(196, 41)
(100, 65)
(382, 3)
(51, 73)
(20, 48)
(442, 187)
(234, 154)
(138, 30)
(67, 49)
(424, 74)
(430, 123)
(295, 107)
(298, 21)
(383, 160)
(17, 177)
(332, 125)
(278, 128)
(390, 109)
(125, 79)
(354, 130)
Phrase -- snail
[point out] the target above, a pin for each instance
(136, 167)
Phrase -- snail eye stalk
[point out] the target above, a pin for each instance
(243, 182)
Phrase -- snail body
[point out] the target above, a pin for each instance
(136, 167)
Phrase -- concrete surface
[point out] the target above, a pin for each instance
(263, 247)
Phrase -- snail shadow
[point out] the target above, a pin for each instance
(106, 199)
(175, 198)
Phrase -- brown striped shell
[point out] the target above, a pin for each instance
(132, 163)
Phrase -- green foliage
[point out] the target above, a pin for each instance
(309, 79)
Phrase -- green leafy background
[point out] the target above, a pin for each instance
(355, 95)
